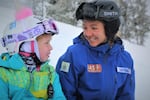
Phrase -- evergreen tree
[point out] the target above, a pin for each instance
(135, 22)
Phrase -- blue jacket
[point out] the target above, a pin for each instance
(17, 83)
(96, 73)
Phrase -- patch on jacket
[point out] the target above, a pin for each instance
(124, 70)
(94, 68)
(65, 66)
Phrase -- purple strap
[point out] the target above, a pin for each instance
(46, 27)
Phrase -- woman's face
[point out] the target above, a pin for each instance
(44, 46)
(94, 32)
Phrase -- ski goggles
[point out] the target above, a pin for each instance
(47, 26)
(98, 11)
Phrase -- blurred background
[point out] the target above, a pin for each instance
(135, 14)
(135, 30)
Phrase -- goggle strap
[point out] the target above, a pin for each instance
(49, 26)
(38, 30)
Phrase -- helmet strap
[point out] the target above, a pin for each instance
(32, 55)
(35, 58)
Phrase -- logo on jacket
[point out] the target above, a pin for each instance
(65, 66)
(94, 68)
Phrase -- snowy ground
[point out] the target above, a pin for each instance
(60, 43)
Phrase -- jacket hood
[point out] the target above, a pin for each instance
(104, 48)
(12, 62)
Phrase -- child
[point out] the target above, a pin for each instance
(25, 73)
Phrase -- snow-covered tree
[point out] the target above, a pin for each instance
(64, 10)
(135, 22)
(61, 10)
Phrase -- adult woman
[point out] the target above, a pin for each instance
(96, 66)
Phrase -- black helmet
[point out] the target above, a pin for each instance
(105, 11)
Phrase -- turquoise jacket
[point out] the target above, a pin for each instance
(17, 83)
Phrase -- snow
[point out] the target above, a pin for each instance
(61, 41)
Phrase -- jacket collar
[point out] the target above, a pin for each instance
(103, 48)
(15, 62)
(12, 62)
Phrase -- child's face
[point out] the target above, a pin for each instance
(44, 46)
